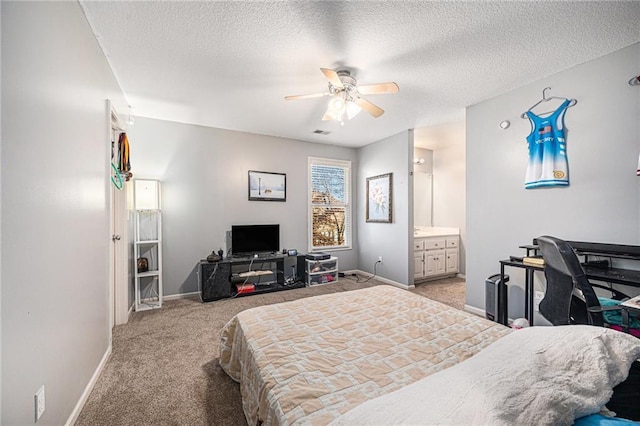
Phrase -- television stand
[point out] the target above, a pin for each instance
(244, 276)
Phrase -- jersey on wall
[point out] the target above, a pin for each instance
(548, 163)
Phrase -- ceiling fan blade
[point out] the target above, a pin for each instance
(313, 95)
(332, 76)
(376, 89)
(372, 109)
(327, 116)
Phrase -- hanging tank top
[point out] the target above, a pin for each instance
(548, 164)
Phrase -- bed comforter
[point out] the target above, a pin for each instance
(311, 360)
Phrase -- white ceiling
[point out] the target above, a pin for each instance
(229, 64)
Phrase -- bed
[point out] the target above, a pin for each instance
(382, 355)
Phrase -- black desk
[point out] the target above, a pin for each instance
(597, 273)
(503, 305)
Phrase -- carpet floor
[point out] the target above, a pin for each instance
(164, 370)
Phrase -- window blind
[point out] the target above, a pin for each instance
(329, 204)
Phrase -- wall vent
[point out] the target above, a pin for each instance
(321, 132)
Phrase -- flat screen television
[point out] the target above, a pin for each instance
(251, 239)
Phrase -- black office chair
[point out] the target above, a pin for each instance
(570, 297)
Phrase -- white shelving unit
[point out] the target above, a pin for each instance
(148, 244)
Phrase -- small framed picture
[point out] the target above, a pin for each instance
(267, 186)
(380, 198)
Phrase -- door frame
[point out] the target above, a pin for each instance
(118, 216)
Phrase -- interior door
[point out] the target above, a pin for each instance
(118, 259)
(119, 245)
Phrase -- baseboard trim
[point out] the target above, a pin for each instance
(474, 310)
(463, 276)
(481, 312)
(87, 390)
(182, 295)
(384, 280)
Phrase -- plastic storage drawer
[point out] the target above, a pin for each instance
(322, 277)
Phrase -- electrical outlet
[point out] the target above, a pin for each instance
(537, 299)
(380, 259)
(38, 400)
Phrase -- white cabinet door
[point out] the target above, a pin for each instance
(434, 262)
(418, 259)
(441, 265)
(429, 263)
(452, 261)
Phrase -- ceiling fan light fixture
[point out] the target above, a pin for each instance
(345, 101)
(340, 109)
(336, 105)
(335, 109)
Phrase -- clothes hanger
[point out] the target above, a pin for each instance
(545, 99)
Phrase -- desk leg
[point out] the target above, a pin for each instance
(529, 296)
(503, 299)
(625, 320)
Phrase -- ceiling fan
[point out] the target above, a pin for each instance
(346, 101)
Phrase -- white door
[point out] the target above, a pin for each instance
(119, 268)
(118, 259)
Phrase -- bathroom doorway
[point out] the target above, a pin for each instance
(422, 199)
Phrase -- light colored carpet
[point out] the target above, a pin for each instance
(164, 369)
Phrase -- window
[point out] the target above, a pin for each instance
(329, 204)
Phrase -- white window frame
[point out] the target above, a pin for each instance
(348, 203)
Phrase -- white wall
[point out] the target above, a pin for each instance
(423, 188)
(0, 226)
(55, 213)
(389, 240)
(603, 143)
(204, 175)
(449, 191)
(427, 155)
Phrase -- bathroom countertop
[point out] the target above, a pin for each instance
(435, 232)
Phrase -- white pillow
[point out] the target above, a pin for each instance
(537, 375)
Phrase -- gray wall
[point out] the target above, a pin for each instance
(0, 226)
(449, 192)
(55, 207)
(204, 190)
(602, 146)
(389, 240)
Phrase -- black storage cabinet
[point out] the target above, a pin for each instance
(213, 280)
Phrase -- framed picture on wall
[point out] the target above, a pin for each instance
(380, 198)
(267, 186)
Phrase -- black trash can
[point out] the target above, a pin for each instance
(495, 298)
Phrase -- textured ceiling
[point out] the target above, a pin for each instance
(229, 64)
